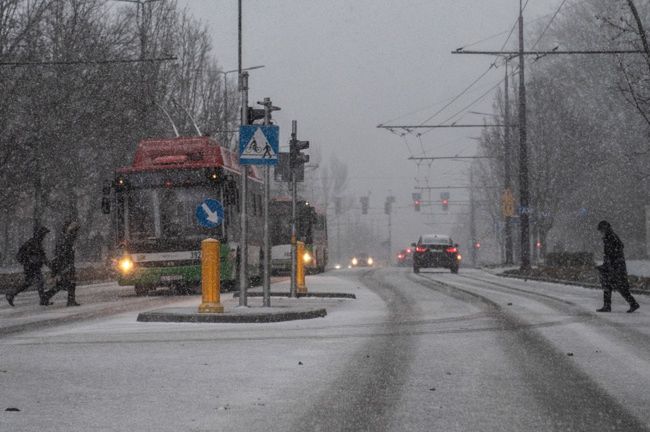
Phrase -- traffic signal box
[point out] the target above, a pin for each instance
(255, 114)
(417, 201)
(364, 205)
(444, 200)
(297, 159)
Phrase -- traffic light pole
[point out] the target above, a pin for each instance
(523, 154)
(243, 237)
(507, 182)
(294, 198)
(266, 282)
(472, 218)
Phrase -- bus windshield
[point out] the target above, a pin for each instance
(167, 213)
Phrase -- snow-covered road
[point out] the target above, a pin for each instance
(424, 352)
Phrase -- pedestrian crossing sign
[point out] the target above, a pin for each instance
(259, 144)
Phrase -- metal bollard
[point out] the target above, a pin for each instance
(300, 268)
(211, 276)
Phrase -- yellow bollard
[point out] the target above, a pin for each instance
(300, 268)
(210, 276)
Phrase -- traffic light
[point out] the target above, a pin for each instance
(477, 245)
(296, 158)
(337, 205)
(106, 199)
(417, 201)
(444, 200)
(364, 205)
(255, 114)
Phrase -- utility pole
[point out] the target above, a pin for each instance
(523, 153)
(388, 209)
(337, 213)
(507, 181)
(293, 292)
(472, 217)
(243, 237)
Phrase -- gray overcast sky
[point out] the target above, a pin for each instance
(341, 67)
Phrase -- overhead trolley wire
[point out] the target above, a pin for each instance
(451, 100)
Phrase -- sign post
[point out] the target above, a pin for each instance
(243, 236)
(266, 281)
(259, 145)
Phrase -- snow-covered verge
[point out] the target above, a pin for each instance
(638, 275)
(639, 267)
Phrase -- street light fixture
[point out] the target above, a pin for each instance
(225, 97)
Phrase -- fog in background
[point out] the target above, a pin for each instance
(341, 68)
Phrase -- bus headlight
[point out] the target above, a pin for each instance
(125, 264)
(355, 261)
(370, 261)
(306, 257)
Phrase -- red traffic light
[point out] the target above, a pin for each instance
(477, 245)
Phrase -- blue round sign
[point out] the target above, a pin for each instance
(209, 213)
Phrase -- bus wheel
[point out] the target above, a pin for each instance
(141, 290)
(191, 288)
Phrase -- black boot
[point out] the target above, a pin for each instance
(604, 309)
(10, 299)
(45, 300)
(72, 303)
(633, 307)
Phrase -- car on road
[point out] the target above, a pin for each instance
(405, 257)
(362, 260)
(436, 250)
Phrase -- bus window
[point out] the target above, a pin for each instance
(141, 214)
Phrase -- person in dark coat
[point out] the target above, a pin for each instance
(32, 256)
(63, 263)
(613, 271)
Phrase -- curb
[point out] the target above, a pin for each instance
(299, 295)
(163, 315)
(565, 282)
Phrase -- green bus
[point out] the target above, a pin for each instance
(153, 204)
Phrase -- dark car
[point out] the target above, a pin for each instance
(436, 250)
(405, 257)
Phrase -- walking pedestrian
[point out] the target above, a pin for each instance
(63, 263)
(613, 271)
(32, 257)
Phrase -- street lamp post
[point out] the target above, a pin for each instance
(225, 127)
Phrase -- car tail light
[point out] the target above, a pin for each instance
(400, 256)
(420, 249)
(452, 250)
(408, 251)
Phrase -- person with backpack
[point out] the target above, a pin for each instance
(63, 263)
(32, 257)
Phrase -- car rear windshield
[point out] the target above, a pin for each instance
(435, 240)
